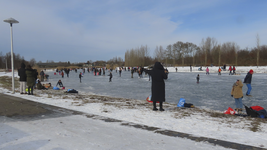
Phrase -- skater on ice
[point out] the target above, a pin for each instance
(80, 76)
(247, 81)
(219, 71)
(207, 71)
(230, 69)
(197, 78)
(110, 76)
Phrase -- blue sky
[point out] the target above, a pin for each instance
(81, 30)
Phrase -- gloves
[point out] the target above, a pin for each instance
(232, 95)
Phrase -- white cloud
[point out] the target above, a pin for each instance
(84, 30)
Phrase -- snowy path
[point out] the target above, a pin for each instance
(79, 132)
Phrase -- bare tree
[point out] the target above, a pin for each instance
(169, 52)
(236, 49)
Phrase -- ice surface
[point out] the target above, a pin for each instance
(213, 91)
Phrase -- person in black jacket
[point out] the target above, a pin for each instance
(42, 75)
(35, 73)
(247, 80)
(80, 76)
(59, 83)
(22, 79)
(110, 76)
(158, 85)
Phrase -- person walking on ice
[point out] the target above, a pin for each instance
(247, 80)
(198, 78)
(80, 76)
(110, 76)
(219, 71)
(238, 95)
(158, 85)
(234, 70)
(207, 71)
(230, 69)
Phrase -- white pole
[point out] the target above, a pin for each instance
(6, 63)
(12, 61)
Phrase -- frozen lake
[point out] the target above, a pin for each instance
(213, 91)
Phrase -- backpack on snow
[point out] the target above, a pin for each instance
(251, 112)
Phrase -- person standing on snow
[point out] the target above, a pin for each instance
(30, 79)
(247, 80)
(22, 79)
(158, 85)
(238, 95)
(42, 75)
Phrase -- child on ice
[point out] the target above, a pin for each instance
(207, 71)
(219, 71)
(197, 78)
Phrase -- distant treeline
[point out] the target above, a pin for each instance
(207, 53)
(5, 61)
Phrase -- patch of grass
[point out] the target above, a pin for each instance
(255, 126)
(65, 97)
(6, 82)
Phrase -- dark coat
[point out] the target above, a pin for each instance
(110, 75)
(42, 73)
(22, 73)
(158, 85)
(248, 78)
(30, 77)
(35, 73)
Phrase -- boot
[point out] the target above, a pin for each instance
(154, 105)
(160, 105)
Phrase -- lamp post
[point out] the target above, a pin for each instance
(11, 21)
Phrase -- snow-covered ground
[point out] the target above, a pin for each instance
(79, 132)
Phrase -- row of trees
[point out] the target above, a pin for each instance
(208, 52)
(5, 61)
(138, 57)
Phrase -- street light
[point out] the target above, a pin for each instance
(11, 21)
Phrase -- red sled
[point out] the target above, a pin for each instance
(149, 99)
(229, 111)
